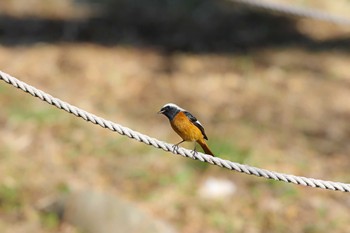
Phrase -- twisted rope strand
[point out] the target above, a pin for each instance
(337, 186)
(295, 11)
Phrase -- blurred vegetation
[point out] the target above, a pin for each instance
(10, 199)
(268, 89)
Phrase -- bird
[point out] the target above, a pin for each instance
(186, 126)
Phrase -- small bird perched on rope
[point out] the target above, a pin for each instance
(186, 126)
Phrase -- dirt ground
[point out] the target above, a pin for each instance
(282, 106)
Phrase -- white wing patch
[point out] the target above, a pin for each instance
(197, 121)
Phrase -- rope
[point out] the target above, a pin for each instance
(336, 186)
(295, 11)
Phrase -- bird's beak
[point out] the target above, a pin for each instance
(160, 112)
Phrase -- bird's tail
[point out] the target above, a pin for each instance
(205, 147)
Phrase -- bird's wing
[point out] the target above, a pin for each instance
(196, 123)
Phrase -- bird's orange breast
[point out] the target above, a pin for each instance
(185, 128)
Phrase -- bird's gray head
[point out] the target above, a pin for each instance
(170, 110)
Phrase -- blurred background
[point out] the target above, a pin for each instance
(271, 90)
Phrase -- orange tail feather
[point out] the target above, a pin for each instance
(205, 147)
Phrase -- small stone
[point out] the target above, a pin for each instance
(215, 188)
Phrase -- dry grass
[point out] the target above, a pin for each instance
(284, 109)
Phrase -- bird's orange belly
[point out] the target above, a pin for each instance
(185, 129)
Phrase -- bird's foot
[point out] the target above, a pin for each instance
(175, 148)
(194, 152)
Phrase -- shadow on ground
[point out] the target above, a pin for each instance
(189, 26)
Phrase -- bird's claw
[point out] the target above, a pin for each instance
(175, 148)
(194, 152)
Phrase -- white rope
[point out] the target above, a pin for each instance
(169, 147)
(295, 11)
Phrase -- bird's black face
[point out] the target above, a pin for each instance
(169, 111)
